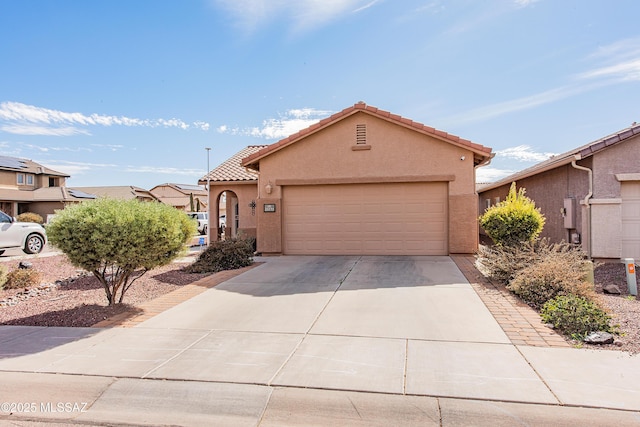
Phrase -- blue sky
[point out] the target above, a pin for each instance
(131, 92)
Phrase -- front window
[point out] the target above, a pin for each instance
(20, 179)
(29, 179)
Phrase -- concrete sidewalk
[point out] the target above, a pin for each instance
(317, 341)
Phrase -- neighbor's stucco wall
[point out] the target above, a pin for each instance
(620, 158)
(395, 153)
(606, 208)
(8, 179)
(548, 190)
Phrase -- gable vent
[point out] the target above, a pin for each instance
(361, 134)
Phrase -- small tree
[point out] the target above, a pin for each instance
(119, 241)
(514, 220)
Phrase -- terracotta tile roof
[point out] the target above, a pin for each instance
(232, 169)
(482, 151)
(582, 152)
(186, 189)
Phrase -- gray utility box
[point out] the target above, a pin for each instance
(569, 213)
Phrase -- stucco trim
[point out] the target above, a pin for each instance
(360, 147)
(628, 177)
(366, 180)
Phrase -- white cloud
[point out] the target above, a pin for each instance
(489, 174)
(525, 3)
(44, 149)
(74, 168)
(501, 108)
(26, 119)
(29, 129)
(111, 147)
(303, 15)
(618, 62)
(289, 123)
(523, 153)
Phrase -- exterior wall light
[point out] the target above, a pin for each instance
(268, 188)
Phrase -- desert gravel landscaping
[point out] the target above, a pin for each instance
(77, 299)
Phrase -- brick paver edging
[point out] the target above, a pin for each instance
(521, 323)
(148, 309)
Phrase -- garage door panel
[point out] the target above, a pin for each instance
(371, 219)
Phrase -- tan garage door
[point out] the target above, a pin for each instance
(631, 220)
(366, 219)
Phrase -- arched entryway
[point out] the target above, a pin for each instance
(228, 214)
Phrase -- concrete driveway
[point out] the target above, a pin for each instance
(411, 328)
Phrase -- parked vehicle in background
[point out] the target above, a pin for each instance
(201, 217)
(28, 236)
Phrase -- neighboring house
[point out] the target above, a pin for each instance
(123, 192)
(363, 181)
(589, 195)
(179, 196)
(26, 186)
(234, 191)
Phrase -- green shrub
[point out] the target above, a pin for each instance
(576, 316)
(120, 240)
(228, 254)
(549, 278)
(22, 278)
(3, 276)
(514, 220)
(30, 217)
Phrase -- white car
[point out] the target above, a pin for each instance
(28, 236)
(201, 217)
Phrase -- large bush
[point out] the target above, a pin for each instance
(119, 241)
(502, 263)
(549, 278)
(576, 316)
(228, 254)
(514, 220)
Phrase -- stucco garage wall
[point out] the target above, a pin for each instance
(391, 153)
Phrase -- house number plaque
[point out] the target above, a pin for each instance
(269, 207)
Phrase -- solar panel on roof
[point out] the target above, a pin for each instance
(12, 163)
(189, 187)
(80, 194)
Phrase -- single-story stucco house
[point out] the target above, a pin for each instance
(363, 181)
(589, 195)
(181, 196)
